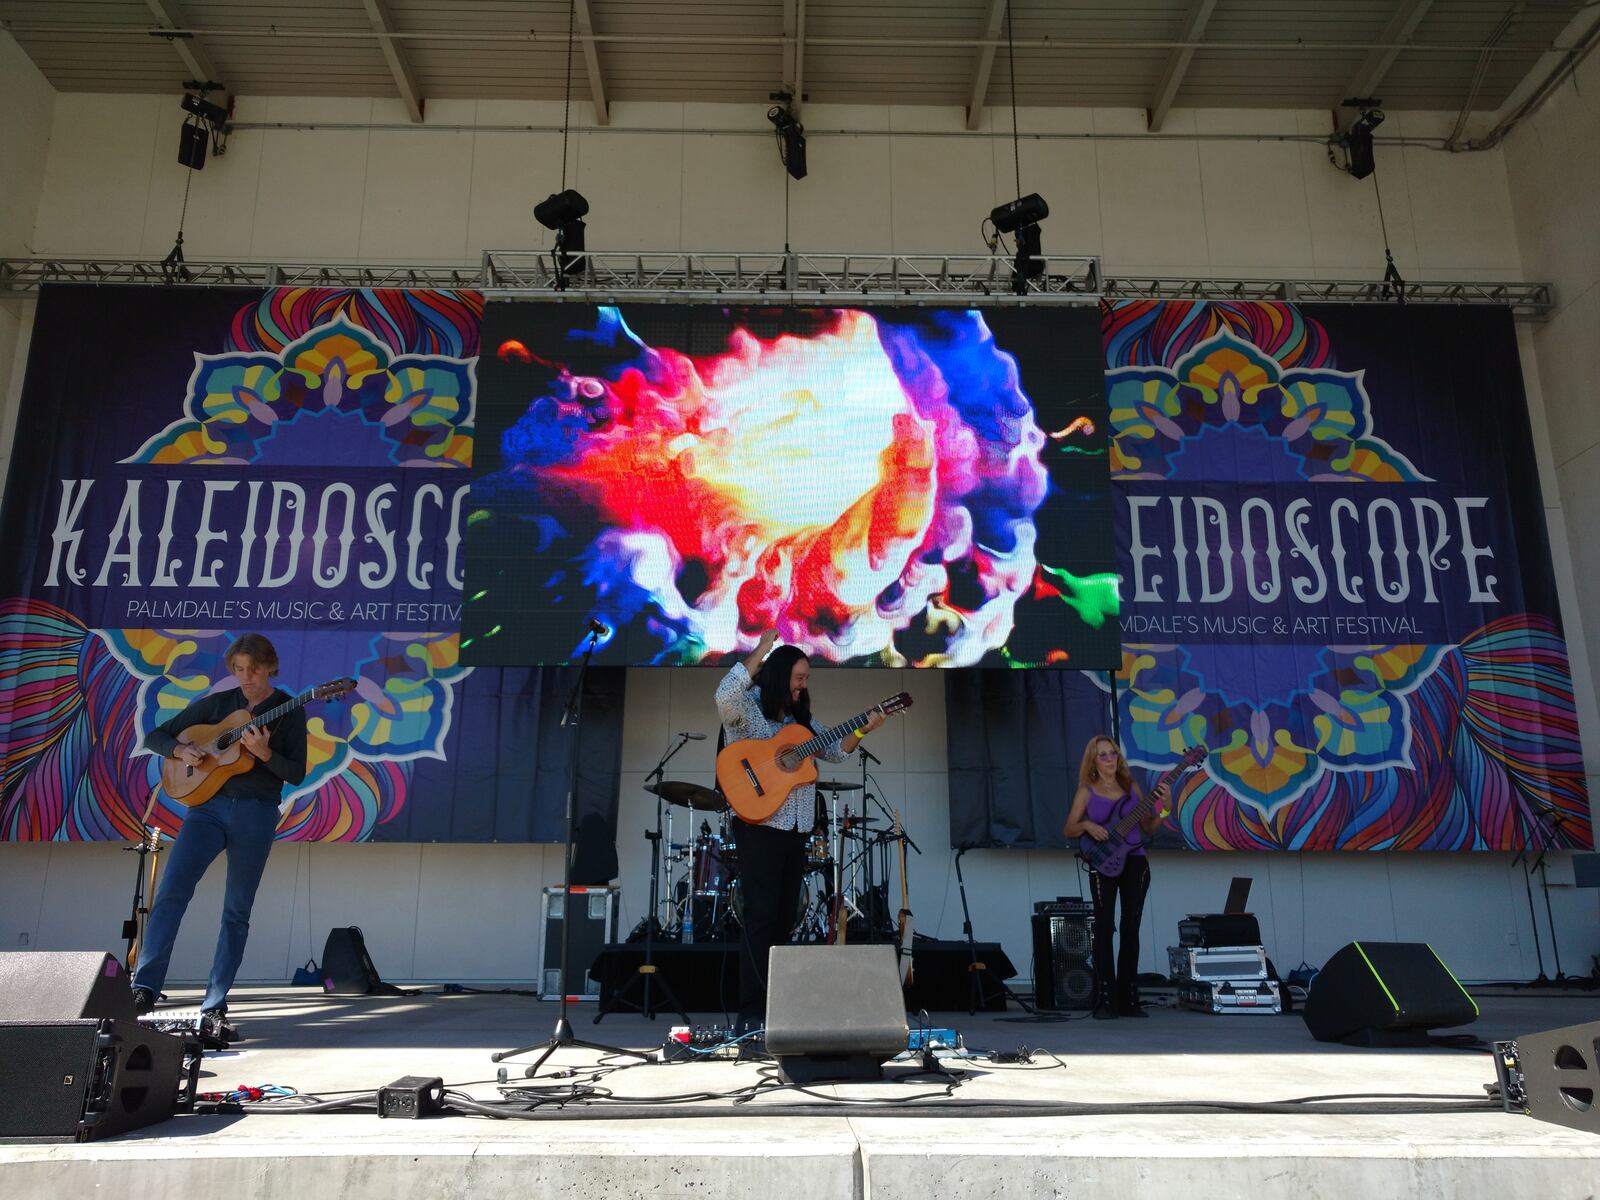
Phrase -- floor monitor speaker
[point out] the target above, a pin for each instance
(1385, 994)
(834, 1012)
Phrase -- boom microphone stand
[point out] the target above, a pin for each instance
(645, 976)
(562, 1034)
(148, 846)
(981, 986)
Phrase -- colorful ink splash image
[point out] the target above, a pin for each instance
(867, 483)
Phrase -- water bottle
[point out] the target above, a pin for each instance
(688, 923)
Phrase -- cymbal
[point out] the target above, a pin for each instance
(829, 785)
(688, 795)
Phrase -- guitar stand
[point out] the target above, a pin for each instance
(645, 978)
(562, 1034)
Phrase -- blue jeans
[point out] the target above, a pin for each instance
(244, 828)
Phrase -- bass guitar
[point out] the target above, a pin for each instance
(1110, 856)
(757, 774)
(225, 756)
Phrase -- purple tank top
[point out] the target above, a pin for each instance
(1099, 811)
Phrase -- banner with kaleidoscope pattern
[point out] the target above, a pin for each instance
(1335, 576)
(193, 464)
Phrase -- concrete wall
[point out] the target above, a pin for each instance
(1220, 193)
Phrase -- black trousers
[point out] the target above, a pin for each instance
(1131, 886)
(771, 868)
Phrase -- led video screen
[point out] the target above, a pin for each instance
(898, 486)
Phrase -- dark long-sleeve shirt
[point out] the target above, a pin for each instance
(286, 739)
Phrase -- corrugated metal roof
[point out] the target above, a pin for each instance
(1247, 53)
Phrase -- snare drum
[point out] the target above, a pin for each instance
(713, 866)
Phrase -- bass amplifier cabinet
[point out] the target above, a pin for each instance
(76, 1081)
(1063, 961)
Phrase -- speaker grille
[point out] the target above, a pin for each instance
(1063, 966)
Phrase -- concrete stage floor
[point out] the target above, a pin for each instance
(852, 1145)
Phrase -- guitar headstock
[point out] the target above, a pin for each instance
(1192, 757)
(898, 702)
(333, 689)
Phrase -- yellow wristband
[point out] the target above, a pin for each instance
(861, 734)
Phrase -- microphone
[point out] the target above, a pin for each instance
(599, 628)
(693, 737)
(869, 755)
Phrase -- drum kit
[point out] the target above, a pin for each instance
(700, 893)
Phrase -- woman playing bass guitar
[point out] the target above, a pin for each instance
(1104, 784)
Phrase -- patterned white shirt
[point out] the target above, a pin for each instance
(739, 706)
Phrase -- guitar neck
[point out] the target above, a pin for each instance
(272, 714)
(1137, 812)
(828, 736)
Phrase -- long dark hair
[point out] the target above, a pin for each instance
(773, 681)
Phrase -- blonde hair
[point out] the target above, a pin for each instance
(1089, 770)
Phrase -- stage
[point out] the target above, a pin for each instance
(1005, 1128)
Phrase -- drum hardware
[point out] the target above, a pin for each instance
(688, 795)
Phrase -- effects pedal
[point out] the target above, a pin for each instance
(689, 1043)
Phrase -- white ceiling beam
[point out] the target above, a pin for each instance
(983, 63)
(1166, 91)
(1407, 16)
(591, 60)
(196, 59)
(794, 53)
(405, 81)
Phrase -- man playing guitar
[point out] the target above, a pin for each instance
(241, 818)
(756, 699)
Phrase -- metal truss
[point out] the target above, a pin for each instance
(768, 277)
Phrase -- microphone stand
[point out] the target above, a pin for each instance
(645, 976)
(1541, 812)
(562, 1034)
(148, 846)
(981, 986)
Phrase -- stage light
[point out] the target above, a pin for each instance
(1357, 140)
(791, 140)
(559, 208)
(1029, 210)
(564, 213)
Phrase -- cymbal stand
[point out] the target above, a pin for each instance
(562, 1034)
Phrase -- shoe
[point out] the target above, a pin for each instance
(1132, 1009)
(1104, 1011)
(144, 1001)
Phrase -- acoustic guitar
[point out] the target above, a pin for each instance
(1110, 856)
(757, 774)
(225, 755)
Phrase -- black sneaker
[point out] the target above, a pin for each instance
(1104, 1011)
(144, 1001)
(1134, 1009)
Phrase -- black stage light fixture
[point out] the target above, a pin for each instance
(791, 140)
(1021, 217)
(1357, 140)
(564, 212)
(1029, 210)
